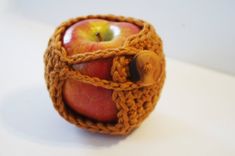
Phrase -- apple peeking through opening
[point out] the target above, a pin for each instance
(87, 36)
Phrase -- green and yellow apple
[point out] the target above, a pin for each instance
(87, 36)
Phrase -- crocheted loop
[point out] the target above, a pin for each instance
(118, 86)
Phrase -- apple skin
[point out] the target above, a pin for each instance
(87, 36)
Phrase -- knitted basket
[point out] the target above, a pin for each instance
(134, 102)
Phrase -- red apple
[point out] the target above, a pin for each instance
(87, 36)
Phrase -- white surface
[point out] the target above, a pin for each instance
(196, 31)
(195, 115)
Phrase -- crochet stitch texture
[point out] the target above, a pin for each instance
(133, 101)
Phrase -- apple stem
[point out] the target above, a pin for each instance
(98, 36)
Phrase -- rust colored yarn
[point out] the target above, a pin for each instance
(134, 102)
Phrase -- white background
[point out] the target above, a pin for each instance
(195, 114)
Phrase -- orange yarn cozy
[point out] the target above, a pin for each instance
(133, 100)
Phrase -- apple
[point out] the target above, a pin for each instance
(87, 36)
